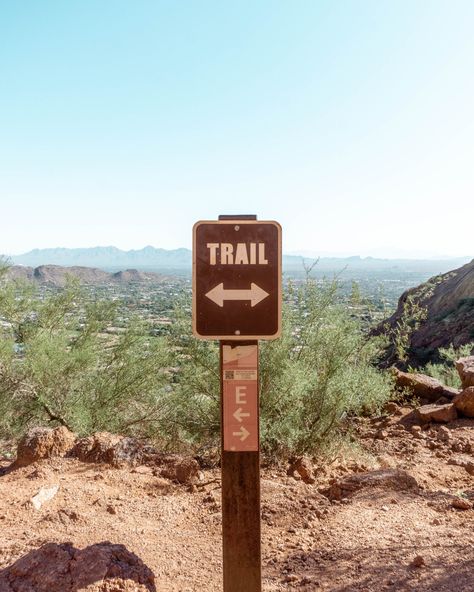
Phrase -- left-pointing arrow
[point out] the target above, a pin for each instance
(238, 414)
(219, 294)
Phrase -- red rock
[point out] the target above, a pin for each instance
(303, 466)
(103, 567)
(180, 468)
(462, 460)
(418, 561)
(438, 413)
(424, 387)
(465, 368)
(461, 504)
(464, 402)
(386, 478)
(41, 443)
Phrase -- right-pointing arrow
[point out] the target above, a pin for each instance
(218, 294)
(242, 433)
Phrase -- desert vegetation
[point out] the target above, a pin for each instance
(61, 364)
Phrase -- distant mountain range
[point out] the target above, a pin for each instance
(57, 275)
(179, 260)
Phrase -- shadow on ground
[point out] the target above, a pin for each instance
(103, 567)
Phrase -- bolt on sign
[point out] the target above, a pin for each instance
(237, 279)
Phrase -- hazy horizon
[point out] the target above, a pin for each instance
(382, 254)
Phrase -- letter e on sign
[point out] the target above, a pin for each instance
(237, 279)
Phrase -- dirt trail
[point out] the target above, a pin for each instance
(380, 536)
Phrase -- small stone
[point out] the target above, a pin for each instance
(45, 494)
(391, 408)
(381, 435)
(301, 468)
(290, 578)
(418, 561)
(111, 509)
(142, 470)
(461, 504)
(444, 434)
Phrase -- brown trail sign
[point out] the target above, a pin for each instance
(237, 279)
(237, 299)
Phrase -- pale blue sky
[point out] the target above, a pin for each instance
(349, 122)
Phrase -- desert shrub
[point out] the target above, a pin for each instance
(63, 360)
(59, 364)
(313, 377)
(445, 371)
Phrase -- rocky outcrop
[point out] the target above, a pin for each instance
(422, 386)
(465, 368)
(449, 303)
(41, 443)
(103, 567)
(103, 447)
(117, 451)
(437, 413)
(395, 479)
(464, 402)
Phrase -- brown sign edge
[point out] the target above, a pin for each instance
(275, 335)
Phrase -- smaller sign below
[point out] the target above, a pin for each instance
(240, 398)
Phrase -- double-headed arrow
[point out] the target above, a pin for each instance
(255, 294)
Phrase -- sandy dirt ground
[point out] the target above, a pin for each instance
(367, 535)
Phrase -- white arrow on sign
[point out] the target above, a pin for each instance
(239, 414)
(243, 433)
(255, 294)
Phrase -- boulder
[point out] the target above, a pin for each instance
(40, 443)
(464, 402)
(465, 368)
(103, 567)
(302, 465)
(396, 479)
(449, 305)
(424, 387)
(104, 447)
(438, 413)
(120, 451)
(178, 468)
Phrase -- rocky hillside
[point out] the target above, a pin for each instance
(449, 303)
(56, 275)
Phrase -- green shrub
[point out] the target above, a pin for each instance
(58, 365)
(446, 370)
(313, 377)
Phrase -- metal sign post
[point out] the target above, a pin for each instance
(237, 299)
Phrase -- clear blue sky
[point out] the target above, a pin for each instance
(350, 122)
